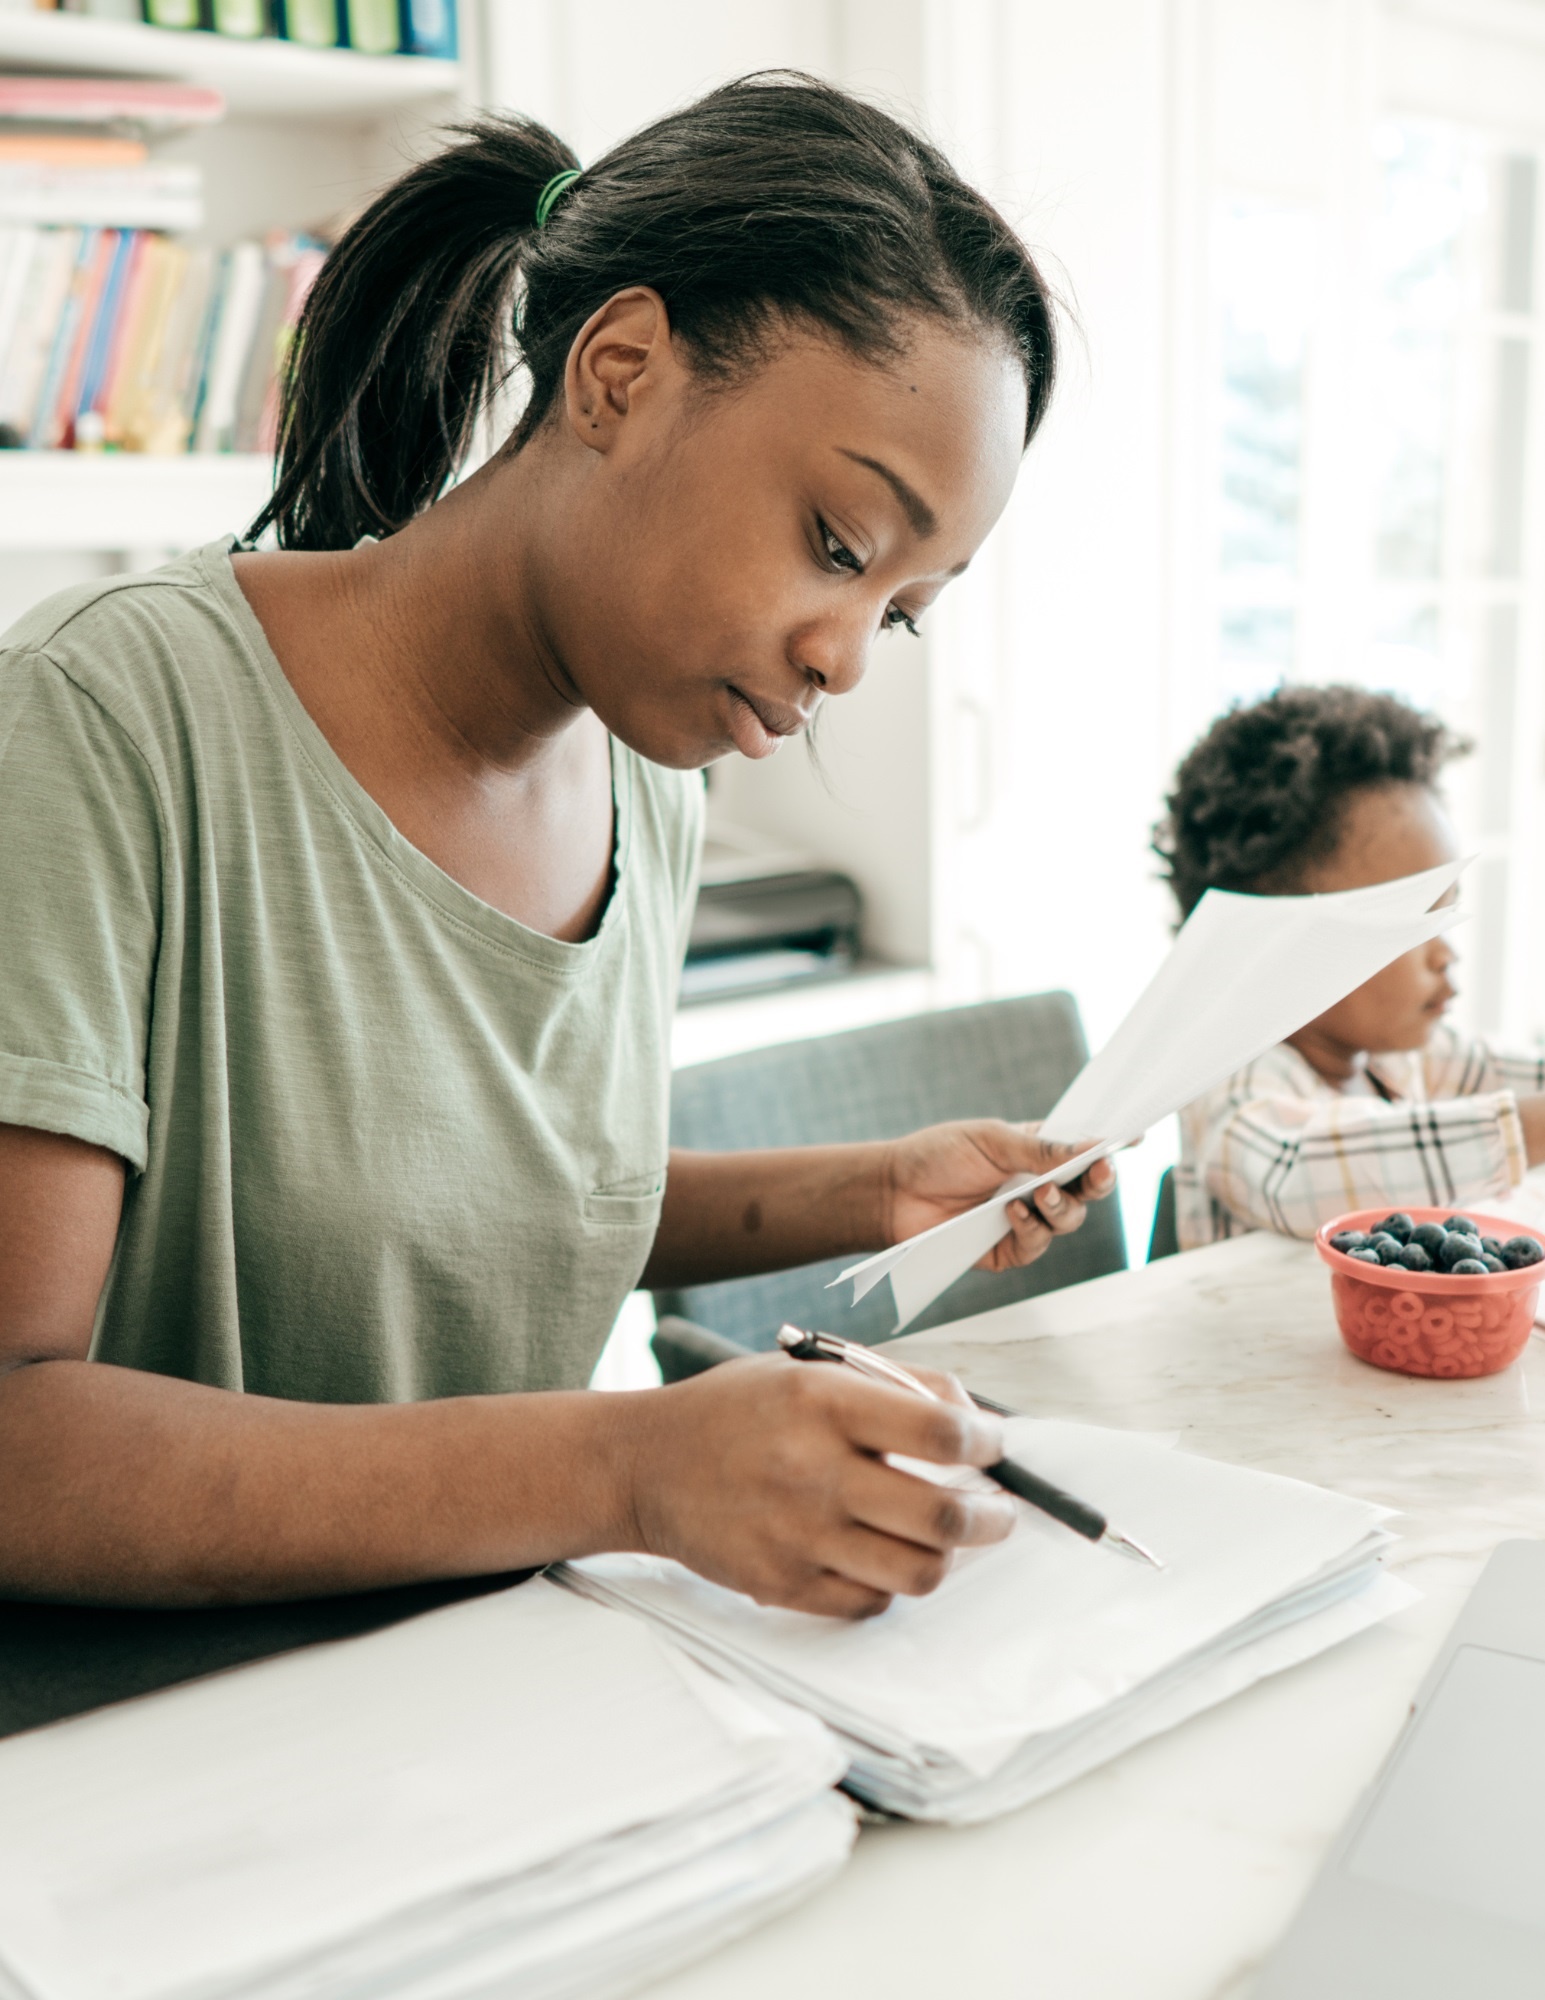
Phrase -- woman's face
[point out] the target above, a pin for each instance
(720, 559)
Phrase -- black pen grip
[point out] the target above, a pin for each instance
(1074, 1514)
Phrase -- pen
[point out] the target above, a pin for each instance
(1017, 1479)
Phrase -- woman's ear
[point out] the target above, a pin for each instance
(621, 361)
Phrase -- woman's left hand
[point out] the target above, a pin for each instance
(945, 1169)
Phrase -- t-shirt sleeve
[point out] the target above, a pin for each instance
(80, 896)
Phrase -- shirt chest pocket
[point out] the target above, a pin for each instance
(631, 1201)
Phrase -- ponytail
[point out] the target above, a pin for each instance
(775, 199)
(404, 337)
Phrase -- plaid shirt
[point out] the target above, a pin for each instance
(1277, 1147)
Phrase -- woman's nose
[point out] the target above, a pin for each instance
(832, 655)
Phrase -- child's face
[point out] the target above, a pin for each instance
(1389, 831)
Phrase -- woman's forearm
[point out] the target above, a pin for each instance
(121, 1487)
(727, 1215)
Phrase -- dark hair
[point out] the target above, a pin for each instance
(1262, 797)
(774, 200)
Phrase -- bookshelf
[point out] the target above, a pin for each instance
(264, 79)
(307, 133)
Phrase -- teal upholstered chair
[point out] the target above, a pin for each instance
(1004, 1059)
(1165, 1240)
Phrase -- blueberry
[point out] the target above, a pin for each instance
(1414, 1258)
(1430, 1235)
(1348, 1239)
(1467, 1267)
(1365, 1256)
(1389, 1250)
(1461, 1222)
(1491, 1246)
(1493, 1263)
(1454, 1246)
(1520, 1251)
(1398, 1225)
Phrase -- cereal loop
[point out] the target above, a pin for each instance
(1436, 1325)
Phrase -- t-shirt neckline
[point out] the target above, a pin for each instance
(376, 824)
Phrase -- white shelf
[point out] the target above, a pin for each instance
(714, 1028)
(274, 79)
(112, 500)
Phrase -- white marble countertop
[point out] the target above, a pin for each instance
(1169, 1874)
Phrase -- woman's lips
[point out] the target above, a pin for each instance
(758, 726)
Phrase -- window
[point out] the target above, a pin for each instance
(1264, 269)
(1449, 381)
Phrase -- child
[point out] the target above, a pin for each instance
(1376, 1103)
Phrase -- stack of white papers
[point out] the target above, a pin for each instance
(1045, 1655)
(1244, 973)
(521, 1794)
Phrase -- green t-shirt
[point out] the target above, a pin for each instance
(386, 1142)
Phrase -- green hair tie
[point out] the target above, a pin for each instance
(547, 200)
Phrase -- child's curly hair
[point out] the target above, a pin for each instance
(1262, 796)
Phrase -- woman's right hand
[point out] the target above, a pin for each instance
(769, 1476)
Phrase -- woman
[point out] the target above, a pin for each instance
(343, 889)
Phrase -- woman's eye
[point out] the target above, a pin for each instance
(838, 554)
(894, 616)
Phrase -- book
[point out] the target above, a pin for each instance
(374, 27)
(72, 149)
(204, 344)
(241, 300)
(46, 289)
(312, 23)
(302, 262)
(129, 416)
(18, 247)
(84, 279)
(157, 195)
(173, 13)
(125, 331)
(84, 397)
(428, 28)
(108, 100)
(171, 386)
(262, 355)
(246, 20)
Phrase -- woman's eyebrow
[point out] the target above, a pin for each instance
(914, 506)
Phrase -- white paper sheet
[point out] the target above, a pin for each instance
(1244, 973)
